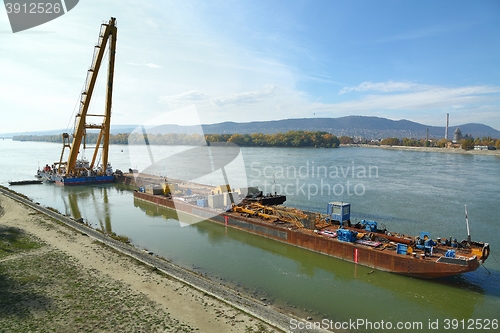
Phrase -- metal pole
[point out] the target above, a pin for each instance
(467, 221)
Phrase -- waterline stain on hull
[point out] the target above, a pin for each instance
(384, 260)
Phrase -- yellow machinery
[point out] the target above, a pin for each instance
(72, 166)
(276, 213)
(223, 188)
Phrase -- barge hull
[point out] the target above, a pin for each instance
(364, 255)
(85, 180)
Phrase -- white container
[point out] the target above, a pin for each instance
(215, 201)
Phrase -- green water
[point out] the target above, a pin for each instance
(407, 191)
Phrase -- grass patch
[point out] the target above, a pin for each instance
(120, 238)
(14, 240)
(28, 279)
(259, 328)
(53, 209)
(49, 292)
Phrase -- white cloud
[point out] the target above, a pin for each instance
(269, 103)
(418, 102)
(238, 99)
(185, 116)
(389, 86)
(249, 97)
(188, 96)
(150, 65)
(152, 23)
(421, 97)
(395, 100)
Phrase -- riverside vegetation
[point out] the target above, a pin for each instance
(289, 139)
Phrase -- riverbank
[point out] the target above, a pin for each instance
(433, 149)
(66, 280)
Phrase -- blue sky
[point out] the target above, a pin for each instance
(260, 60)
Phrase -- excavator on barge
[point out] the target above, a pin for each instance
(78, 171)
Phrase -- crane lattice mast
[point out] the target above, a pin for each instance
(107, 33)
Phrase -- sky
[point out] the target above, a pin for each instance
(259, 60)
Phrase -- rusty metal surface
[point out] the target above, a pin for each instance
(382, 259)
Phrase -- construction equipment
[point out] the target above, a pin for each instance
(274, 213)
(72, 167)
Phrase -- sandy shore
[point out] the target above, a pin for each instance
(67, 281)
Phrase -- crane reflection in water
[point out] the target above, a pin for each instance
(99, 199)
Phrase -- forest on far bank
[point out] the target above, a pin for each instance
(316, 139)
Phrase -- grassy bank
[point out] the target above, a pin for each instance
(56, 279)
(43, 289)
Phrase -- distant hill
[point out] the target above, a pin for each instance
(366, 127)
(354, 126)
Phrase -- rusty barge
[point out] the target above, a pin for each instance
(331, 233)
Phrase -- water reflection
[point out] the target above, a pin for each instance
(94, 197)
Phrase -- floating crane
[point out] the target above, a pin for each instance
(74, 171)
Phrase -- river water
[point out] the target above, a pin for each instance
(407, 191)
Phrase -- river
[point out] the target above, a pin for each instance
(408, 191)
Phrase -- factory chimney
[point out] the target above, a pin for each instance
(447, 124)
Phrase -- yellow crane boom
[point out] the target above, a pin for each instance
(108, 32)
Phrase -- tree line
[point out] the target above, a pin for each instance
(465, 143)
(316, 139)
(288, 139)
